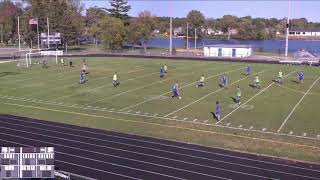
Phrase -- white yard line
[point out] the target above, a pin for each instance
(91, 89)
(180, 88)
(294, 108)
(250, 99)
(131, 90)
(203, 97)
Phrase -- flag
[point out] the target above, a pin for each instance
(33, 21)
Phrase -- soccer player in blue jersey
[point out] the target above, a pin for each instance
(161, 72)
(248, 69)
(176, 91)
(224, 81)
(301, 77)
(82, 74)
(218, 111)
(238, 97)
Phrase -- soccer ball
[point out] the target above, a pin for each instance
(179, 97)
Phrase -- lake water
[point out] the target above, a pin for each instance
(262, 45)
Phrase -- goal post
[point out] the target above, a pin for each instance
(52, 53)
(40, 55)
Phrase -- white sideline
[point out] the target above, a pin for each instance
(180, 88)
(251, 99)
(154, 116)
(294, 108)
(203, 97)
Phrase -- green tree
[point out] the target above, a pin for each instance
(228, 22)
(64, 17)
(196, 20)
(113, 33)
(141, 28)
(8, 21)
(119, 9)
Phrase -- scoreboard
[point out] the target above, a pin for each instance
(27, 162)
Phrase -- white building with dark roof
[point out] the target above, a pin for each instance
(227, 50)
(304, 32)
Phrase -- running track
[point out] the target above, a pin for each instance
(109, 155)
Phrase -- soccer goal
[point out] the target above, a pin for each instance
(50, 57)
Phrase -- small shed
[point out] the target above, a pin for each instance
(227, 50)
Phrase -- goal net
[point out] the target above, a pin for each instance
(48, 57)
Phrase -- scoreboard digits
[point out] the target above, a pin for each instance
(27, 162)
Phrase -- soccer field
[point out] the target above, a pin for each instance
(269, 120)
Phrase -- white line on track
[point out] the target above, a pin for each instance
(143, 147)
(86, 167)
(105, 154)
(205, 96)
(171, 91)
(162, 144)
(250, 99)
(294, 108)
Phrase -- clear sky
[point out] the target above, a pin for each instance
(216, 9)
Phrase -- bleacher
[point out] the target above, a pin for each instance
(302, 57)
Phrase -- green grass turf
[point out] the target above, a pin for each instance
(142, 103)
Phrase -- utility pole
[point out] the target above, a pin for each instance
(38, 34)
(195, 38)
(19, 32)
(48, 33)
(287, 26)
(187, 35)
(170, 50)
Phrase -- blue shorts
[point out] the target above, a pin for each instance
(175, 93)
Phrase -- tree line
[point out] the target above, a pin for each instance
(117, 29)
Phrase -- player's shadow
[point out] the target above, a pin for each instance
(2, 74)
(244, 74)
(234, 99)
(84, 81)
(214, 116)
(252, 85)
(295, 81)
(275, 81)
